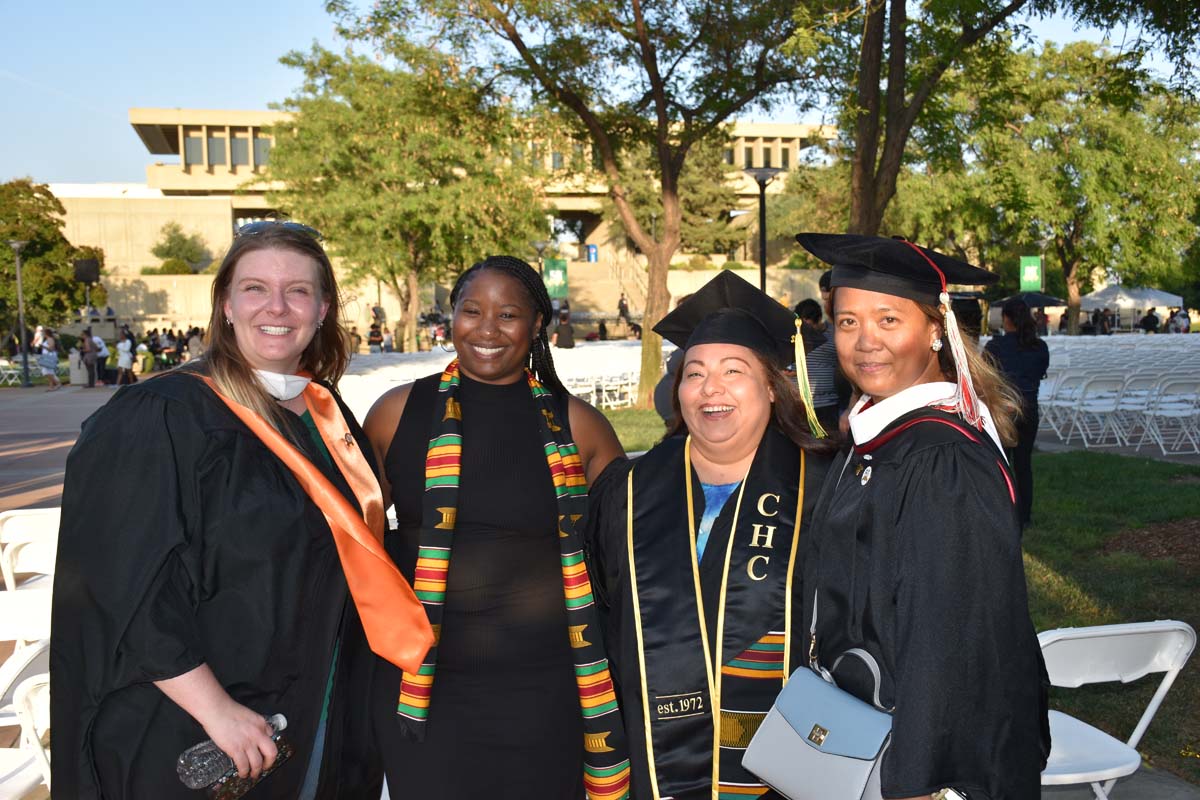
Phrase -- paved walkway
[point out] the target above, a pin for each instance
(38, 428)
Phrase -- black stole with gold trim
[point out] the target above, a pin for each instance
(739, 594)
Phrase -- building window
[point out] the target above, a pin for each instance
(262, 151)
(239, 151)
(193, 150)
(729, 156)
(749, 154)
(579, 157)
(766, 157)
(535, 156)
(556, 160)
(785, 158)
(216, 151)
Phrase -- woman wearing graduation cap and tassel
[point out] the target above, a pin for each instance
(695, 546)
(915, 555)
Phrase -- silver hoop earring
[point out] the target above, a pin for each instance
(936, 346)
(449, 349)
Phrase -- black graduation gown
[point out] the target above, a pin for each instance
(184, 541)
(916, 558)
(658, 479)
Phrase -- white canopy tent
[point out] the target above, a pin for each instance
(1130, 298)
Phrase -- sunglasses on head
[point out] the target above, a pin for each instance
(252, 228)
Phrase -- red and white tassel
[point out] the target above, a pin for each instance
(966, 401)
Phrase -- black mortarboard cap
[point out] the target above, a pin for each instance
(891, 266)
(729, 310)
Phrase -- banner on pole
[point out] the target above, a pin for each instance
(1032, 275)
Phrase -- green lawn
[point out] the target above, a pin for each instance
(1081, 501)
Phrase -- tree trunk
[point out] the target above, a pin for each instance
(412, 310)
(1069, 262)
(657, 300)
(863, 217)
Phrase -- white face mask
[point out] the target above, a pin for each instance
(282, 387)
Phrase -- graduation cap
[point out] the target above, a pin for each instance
(900, 268)
(729, 310)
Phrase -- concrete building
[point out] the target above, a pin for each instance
(208, 177)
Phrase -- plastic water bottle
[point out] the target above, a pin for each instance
(203, 764)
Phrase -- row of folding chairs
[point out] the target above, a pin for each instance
(1104, 409)
(614, 391)
(25, 690)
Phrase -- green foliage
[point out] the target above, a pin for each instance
(705, 194)
(1073, 153)
(699, 262)
(30, 212)
(656, 78)
(637, 429)
(404, 169)
(172, 266)
(733, 265)
(176, 246)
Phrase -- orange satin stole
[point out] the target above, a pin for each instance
(394, 620)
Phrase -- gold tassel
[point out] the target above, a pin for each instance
(802, 383)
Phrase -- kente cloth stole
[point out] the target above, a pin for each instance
(606, 761)
(715, 635)
(392, 618)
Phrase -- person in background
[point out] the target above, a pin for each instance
(355, 340)
(915, 554)
(88, 349)
(1023, 359)
(375, 339)
(47, 342)
(602, 331)
(388, 341)
(564, 333)
(623, 308)
(125, 359)
(1149, 323)
(102, 355)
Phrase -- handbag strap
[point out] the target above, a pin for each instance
(815, 665)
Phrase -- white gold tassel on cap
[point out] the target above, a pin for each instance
(966, 401)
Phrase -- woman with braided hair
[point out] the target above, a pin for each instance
(487, 464)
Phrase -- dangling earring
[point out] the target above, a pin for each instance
(229, 321)
(320, 322)
(449, 349)
(936, 346)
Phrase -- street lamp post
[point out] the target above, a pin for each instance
(17, 245)
(762, 176)
(540, 246)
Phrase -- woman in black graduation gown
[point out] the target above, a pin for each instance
(916, 552)
(211, 594)
(487, 465)
(696, 545)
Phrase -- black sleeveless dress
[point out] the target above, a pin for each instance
(504, 718)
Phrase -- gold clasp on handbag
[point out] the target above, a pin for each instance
(817, 735)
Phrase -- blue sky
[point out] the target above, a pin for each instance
(70, 71)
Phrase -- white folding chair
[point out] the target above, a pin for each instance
(33, 709)
(1094, 413)
(1173, 411)
(1074, 657)
(27, 525)
(35, 560)
(25, 616)
(9, 375)
(24, 663)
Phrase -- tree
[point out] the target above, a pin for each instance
(1072, 151)
(405, 170)
(174, 245)
(706, 198)
(30, 212)
(884, 60)
(658, 76)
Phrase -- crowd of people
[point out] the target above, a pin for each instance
(550, 618)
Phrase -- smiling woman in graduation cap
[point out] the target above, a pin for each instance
(694, 547)
(916, 550)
